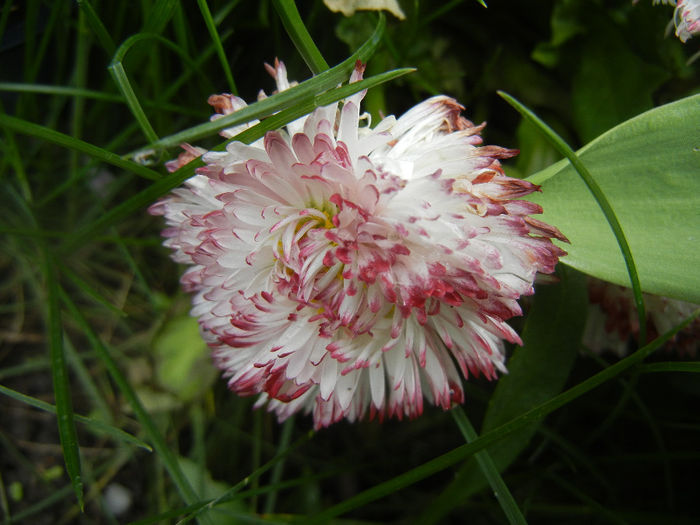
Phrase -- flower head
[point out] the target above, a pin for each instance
(686, 18)
(350, 270)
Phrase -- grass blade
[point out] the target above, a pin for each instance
(69, 91)
(95, 424)
(214, 34)
(562, 147)
(116, 69)
(61, 139)
(488, 467)
(276, 474)
(159, 16)
(13, 158)
(88, 290)
(462, 452)
(61, 386)
(97, 27)
(288, 13)
(693, 367)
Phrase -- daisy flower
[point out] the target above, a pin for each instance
(351, 270)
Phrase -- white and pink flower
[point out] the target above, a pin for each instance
(686, 18)
(350, 270)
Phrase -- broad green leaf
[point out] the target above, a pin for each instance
(565, 24)
(649, 169)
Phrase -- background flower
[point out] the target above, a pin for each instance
(613, 325)
(686, 18)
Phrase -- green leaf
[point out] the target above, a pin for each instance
(672, 366)
(209, 489)
(538, 370)
(158, 16)
(565, 24)
(116, 69)
(648, 168)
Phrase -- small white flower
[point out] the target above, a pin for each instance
(351, 270)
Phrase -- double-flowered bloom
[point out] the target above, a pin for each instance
(350, 270)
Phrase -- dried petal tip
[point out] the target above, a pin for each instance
(187, 156)
(351, 271)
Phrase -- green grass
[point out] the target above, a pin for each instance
(95, 96)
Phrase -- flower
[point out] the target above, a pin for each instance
(612, 320)
(350, 270)
(686, 18)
